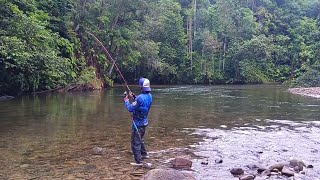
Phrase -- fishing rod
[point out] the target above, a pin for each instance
(124, 80)
(110, 57)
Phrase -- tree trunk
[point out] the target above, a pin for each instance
(190, 43)
(224, 52)
(194, 18)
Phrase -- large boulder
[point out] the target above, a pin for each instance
(181, 163)
(167, 174)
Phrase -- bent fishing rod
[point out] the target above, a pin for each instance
(117, 68)
(112, 60)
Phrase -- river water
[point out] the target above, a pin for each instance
(52, 136)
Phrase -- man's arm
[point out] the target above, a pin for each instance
(132, 107)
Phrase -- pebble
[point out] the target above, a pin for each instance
(236, 171)
(99, 151)
(218, 161)
(147, 165)
(310, 166)
(24, 166)
(205, 162)
(247, 177)
(81, 162)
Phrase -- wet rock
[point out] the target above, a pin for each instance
(204, 163)
(293, 163)
(278, 166)
(236, 171)
(247, 177)
(266, 172)
(167, 174)
(218, 161)
(275, 171)
(261, 169)
(287, 171)
(99, 151)
(296, 169)
(181, 163)
(310, 166)
(147, 165)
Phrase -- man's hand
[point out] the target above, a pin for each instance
(131, 95)
(126, 99)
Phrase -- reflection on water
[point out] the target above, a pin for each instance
(53, 123)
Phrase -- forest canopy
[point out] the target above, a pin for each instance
(44, 44)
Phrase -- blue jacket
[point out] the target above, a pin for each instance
(140, 108)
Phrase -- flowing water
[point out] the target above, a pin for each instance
(52, 136)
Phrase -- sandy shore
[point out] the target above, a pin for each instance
(313, 92)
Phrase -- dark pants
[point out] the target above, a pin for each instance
(137, 143)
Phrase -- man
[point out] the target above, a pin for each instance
(140, 110)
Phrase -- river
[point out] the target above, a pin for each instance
(52, 136)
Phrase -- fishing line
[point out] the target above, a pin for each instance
(124, 80)
(110, 57)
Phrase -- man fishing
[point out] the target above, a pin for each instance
(140, 109)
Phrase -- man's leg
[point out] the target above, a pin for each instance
(142, 131)
(136, 145)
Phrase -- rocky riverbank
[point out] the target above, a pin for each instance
(312, 92)
(279, 150)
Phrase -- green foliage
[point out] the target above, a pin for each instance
(87, 76)
(29, 52)
(44, 44)
(252, 72)
(311, 78)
